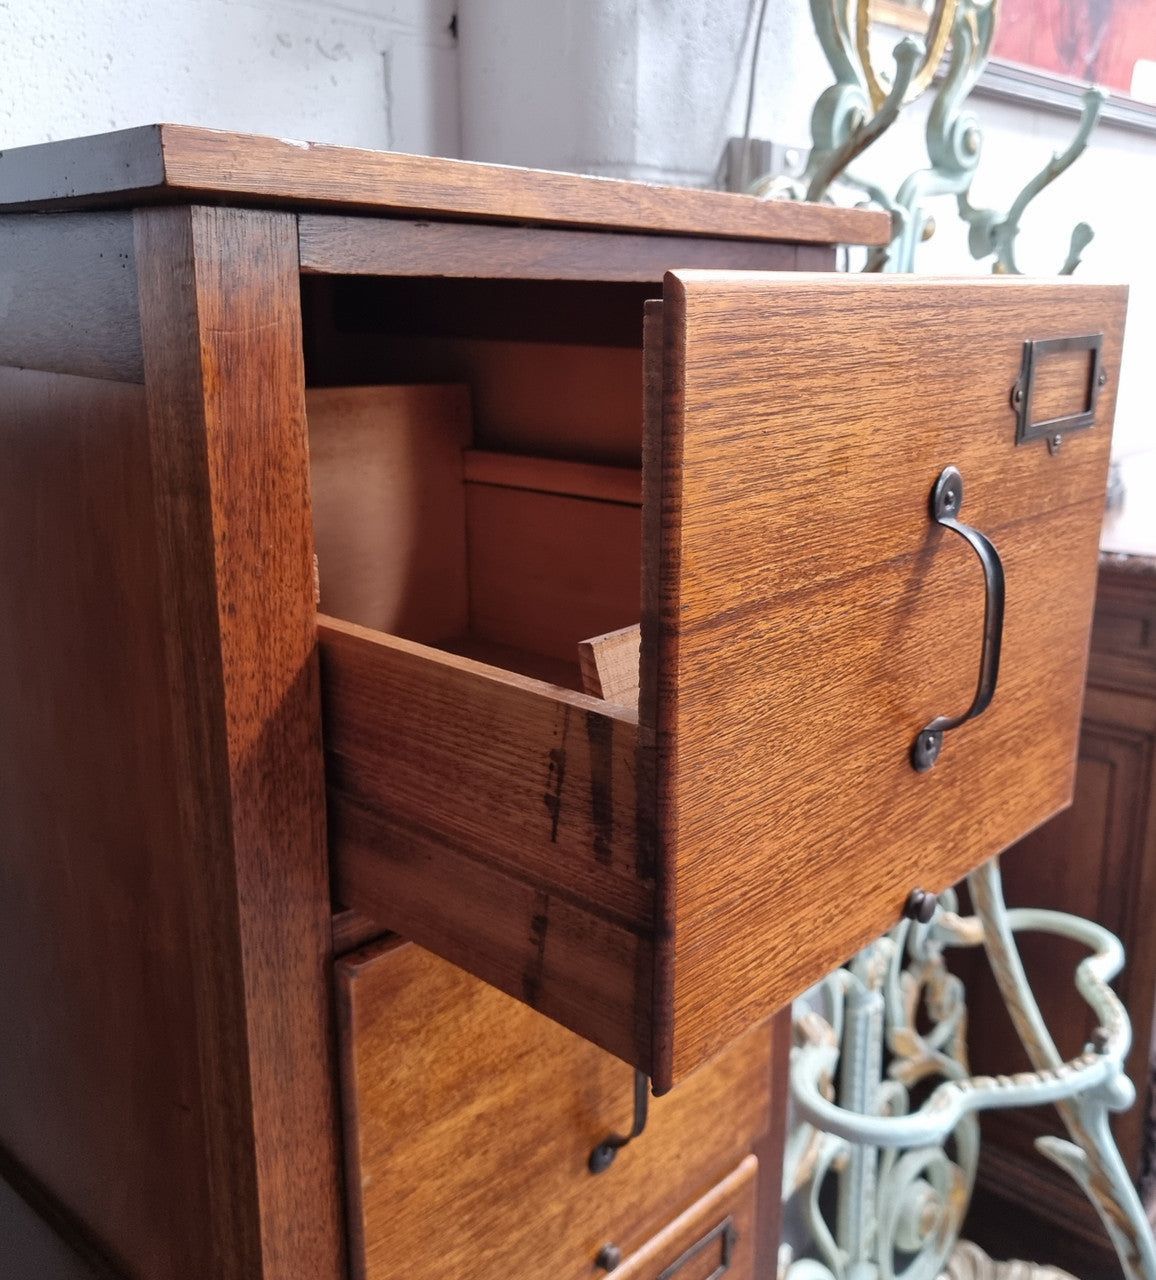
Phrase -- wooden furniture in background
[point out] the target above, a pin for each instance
(1098, 860)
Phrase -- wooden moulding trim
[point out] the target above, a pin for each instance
(550, 475)
(361, 246)
(178, 162)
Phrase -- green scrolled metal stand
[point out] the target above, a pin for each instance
(904, 1176)
(862, 104)
(901, 1196)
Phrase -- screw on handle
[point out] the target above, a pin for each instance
(920, 906)
(609, 1256)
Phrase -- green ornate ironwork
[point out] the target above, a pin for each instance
(863, 103)
(905, 1176)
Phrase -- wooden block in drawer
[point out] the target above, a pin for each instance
(470, 1119)
(661, 885)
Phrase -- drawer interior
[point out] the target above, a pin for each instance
(477, 516)
(507, 558)
(481, 491)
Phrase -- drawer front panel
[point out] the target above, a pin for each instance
(715, 1237)
(470, 1119)
(811, 618)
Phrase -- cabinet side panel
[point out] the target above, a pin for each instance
(226, 405)
(98, 1069)
(68, 295)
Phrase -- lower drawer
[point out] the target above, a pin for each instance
(715, 1237)
(470, 1119)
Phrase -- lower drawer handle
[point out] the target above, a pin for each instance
(729, 1237)
(602, 1157)
(946, 500)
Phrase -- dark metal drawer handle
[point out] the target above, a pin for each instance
(946, 500)
(730, 1237)
(602, 1157)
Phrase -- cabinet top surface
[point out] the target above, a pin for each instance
(165, 163)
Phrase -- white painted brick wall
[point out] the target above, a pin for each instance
(368, 73)
(631, 88)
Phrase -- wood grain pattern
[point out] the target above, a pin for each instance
(222, 347)
(471, 1119)
(375, 246)
(771, 1146)
(564, 672)
(578, 967)
(1123, 652)
(1061, 385)
(99, 1068)
(756, 581)
(182, 163)
(491, 818)
(796, 542)
(610, 666)
(548, 570)
(389, 520)
(693, 1245)
(68, 296)
(352, 930)
(542, 778)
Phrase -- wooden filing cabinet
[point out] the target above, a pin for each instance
(224, 355)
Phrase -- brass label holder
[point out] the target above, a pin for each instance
(1022, 394)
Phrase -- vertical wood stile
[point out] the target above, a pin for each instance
(221, 322)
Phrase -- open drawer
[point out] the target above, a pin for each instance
(661, 879)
